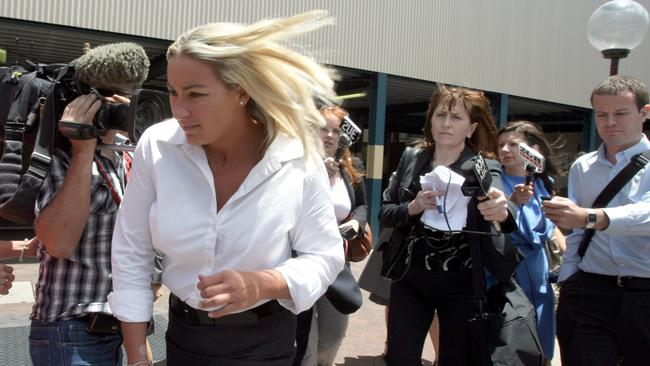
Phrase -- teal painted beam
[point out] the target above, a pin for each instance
(375, 154)
(378, 95)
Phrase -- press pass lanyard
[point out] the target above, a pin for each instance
(116, 197)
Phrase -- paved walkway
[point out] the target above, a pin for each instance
(362, 346)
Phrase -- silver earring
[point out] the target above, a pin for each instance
(241, 102)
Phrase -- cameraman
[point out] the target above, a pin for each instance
(72, 323)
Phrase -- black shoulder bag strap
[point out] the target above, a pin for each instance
(479, 326)
(474, 240)
(18, 206)
(613, 187)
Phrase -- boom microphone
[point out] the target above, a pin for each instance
(114, 67)
(344, 142)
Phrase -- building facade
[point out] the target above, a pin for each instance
(532, 57)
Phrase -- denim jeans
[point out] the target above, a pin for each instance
(66, 342)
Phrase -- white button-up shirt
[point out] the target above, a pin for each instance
(623, 248)
(170, 206)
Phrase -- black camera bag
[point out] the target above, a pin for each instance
(28, 118)
(504, 329)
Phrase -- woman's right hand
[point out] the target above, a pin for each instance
(232, 290)
(331, 165)
(424, 200)
(521, 194)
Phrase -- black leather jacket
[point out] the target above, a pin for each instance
(499, 258)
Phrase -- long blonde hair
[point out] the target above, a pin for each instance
(281, 82)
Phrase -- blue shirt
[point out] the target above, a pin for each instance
(534, 227)
(623, 248)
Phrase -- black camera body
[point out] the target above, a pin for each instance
(146, 107)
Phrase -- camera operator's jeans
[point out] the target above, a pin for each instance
(66, 342)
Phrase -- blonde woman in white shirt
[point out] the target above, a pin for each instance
(225, 191)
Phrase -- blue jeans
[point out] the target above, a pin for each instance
(66, 343)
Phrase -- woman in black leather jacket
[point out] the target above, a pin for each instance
(431, 269)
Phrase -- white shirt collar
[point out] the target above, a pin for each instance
(627, 154)
(282, 149)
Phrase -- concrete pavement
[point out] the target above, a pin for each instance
(362, 346)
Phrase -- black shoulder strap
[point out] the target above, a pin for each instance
(478, 275)
(19, 191)
(636, 164)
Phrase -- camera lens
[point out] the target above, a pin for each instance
(151, 107)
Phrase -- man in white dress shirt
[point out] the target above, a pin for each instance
(603, 314)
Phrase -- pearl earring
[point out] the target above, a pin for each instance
(241, 102)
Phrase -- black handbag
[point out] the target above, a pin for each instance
(344, 292)
(504, 330)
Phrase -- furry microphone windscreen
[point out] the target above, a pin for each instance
(114, 66)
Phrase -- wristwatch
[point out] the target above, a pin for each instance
(591, 218)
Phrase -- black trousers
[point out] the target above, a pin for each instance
(269, 343)
(413, 302)
(598, 323)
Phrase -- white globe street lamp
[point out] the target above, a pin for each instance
(617, 27)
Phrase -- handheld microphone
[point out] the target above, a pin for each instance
(113, 67)
(351, 129)
(530, 171)
(477, 180)
(533, 160)
(344, 142)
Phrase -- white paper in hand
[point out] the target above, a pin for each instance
(454, 203)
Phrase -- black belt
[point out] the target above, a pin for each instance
(625, 282)
(101, 323)
(245, 318)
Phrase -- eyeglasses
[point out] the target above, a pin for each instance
(327, 131)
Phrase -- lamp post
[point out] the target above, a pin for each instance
(617, 27)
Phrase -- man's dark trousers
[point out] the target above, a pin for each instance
(599, 322)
